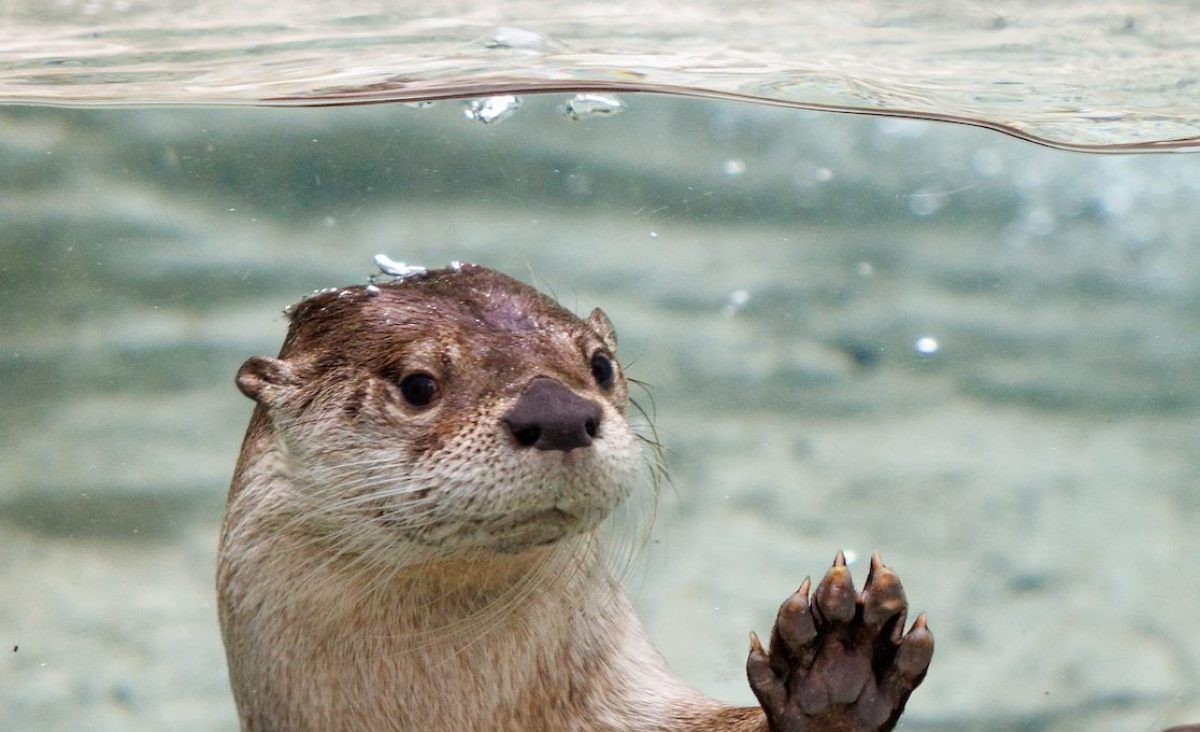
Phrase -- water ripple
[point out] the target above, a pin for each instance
(1105, 75)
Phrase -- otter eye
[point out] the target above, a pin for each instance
(418, 389)
(602, 370)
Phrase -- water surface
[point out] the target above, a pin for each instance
(1104, 74)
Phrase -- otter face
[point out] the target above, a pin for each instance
(452, 413)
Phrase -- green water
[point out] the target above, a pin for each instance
(975, 355)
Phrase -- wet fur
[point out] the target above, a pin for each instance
(379, 569)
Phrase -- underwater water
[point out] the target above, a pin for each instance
(973, 354)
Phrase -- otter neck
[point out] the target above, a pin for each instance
(498, 642)
(441, 599)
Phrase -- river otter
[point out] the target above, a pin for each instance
(411, 539)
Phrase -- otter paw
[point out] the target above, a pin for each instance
(840, 662)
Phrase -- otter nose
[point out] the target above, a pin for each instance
(549, 416)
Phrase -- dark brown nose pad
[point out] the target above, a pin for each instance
(549, 416)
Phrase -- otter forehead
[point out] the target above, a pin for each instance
(482, 298)
(473, 309)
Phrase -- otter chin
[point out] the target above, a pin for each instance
(542, 527)
(412, 535)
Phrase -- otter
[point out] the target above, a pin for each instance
(414, 537)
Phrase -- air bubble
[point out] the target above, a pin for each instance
(736, 303)
(987, 162)
(520, 38)
(924, 203)
(734, 167)
(490, 110)
(398, 270)
(927, 345)
(582, 106)
(1039, 221)
(902, 127)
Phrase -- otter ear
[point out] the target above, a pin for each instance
(262, 378)
(603, 327)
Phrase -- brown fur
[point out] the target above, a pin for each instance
(378, 567)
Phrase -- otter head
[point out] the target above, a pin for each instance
(443, 414)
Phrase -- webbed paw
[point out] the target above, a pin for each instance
(840, 662)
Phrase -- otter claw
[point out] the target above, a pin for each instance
(794, 631)
(840, 661)
(883, 597)
(835, 595)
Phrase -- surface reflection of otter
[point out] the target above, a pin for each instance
(415, 536)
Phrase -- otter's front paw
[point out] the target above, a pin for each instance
(840, 662)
